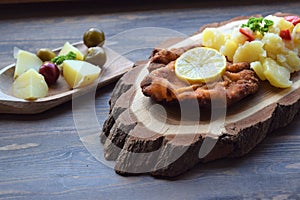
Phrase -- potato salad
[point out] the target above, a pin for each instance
(270, 44)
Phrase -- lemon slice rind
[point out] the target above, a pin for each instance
(200, 64)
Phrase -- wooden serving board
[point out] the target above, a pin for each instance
(115, 66)
(143, 136)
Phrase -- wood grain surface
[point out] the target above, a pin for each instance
(165, 140)
(42, 156)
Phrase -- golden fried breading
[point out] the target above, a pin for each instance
(162, 84)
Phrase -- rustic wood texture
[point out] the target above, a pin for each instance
(126, 136)
(42, 157)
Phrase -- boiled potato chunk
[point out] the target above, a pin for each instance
(277, 75)
(26, 61)
(273, 45)
(296, 34)
(229, 49)
(279, 24)
(249, 52)
(259, 69)
(67, 48)
(213, 38)
(293, 61)
(296, 37)
(238, 37)
(79, 73)
(30, 85)
(290, 60)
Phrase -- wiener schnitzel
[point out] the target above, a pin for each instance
(162, 84)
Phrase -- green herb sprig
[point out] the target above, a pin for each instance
(60, 59)
(258, 24)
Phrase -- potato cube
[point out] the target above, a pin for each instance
(68, 47)
(213, 38)
(79, 73)
(30, 85)
(26, 61)
(228, 49)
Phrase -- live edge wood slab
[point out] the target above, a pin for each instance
(143, 136)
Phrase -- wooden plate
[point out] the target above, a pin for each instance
(115, 67)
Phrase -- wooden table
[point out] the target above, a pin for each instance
(42, 156)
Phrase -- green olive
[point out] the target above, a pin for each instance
(93, 37)
(45, 54)
(96, 56)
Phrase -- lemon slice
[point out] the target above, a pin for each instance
(200, 64)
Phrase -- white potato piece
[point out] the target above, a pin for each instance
(79, 73)
(290, 60)
(296, 38)
(213, 38)
(259, 69)
(30, 85)
(273, 45)
(228, 49)
(277, 75)
(26, 61)
(279, 24)
(249, 52)
(296, 34)
(238, 37)
(68, 47)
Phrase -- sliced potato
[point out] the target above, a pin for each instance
(79, 73)
(291, 61)
(277, 75)
(249, 52)
(259, 69)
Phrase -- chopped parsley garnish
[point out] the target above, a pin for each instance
(60, 59)
(258, 24)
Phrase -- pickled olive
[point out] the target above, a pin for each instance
(45, 54)
(96, 56)
(93, 37)
(50, 72)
